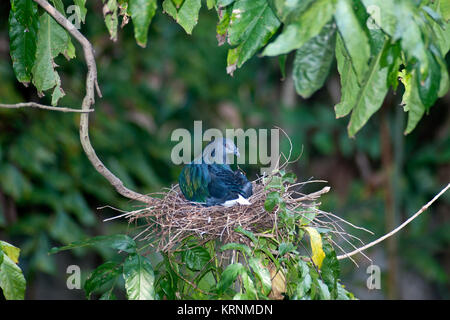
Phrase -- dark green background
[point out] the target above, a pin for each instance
(49, 192)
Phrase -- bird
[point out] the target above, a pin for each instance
(209, 179)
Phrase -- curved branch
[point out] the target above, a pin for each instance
(367, 246)
(41, 106)
(88, 101)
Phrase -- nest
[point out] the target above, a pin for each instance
(171, 219)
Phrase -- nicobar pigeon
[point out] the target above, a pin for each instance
(209, 179)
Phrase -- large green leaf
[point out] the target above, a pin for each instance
(229, 275)
(408, 29)
(355, 39)
(52, 40)
(102, 275)
(23, 29)
(252, 24)
(304, 27)
(120, 242)
(366, 99)
(313, 60)
(139, 278)
(142, 12)
(349, 82)
(262, 273)
(12, 280)
(11, 251)
(196, 258)
(186, 15)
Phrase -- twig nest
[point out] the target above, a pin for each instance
(172, 219)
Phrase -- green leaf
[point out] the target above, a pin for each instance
(411, 99)
(355, 39)
(285, 248)
(196, 258)
(429, 88)
(250, 290)
(382, 14)
(139, 278)
(110, 8)
(290, 177)
(272, 199)
(11, 251)
(142, 12)
(304, 282)
(247, 233)
(186, 16)
(324, 293)
(237, 246)
(408, 29)
(52, 40)
(330, 270)
(276, 182)
(210, 4)
(12, 280)
(349, 82)
(307, 216)
(13, 182)
(120, 242)
(313, 60)
(262, 273)
(102, 275)
(307, 25)
(23, 29)
(229, 275)
(289, 11)
(366, 99)
(445, 10)
(82, 9)
(252, 24)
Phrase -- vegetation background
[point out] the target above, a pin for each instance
(49, 191)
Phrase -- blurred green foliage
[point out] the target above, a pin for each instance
(49, 191)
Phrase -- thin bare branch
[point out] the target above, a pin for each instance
(41, 106)
(88, 102)
(414, 216)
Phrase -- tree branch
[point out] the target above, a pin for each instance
(367, 246)
(41, 106)
(88, 101)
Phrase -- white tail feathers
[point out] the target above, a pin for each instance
(241, 200)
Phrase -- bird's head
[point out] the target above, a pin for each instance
(218, 151)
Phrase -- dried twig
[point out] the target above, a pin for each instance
(414, 216)
(41, 106)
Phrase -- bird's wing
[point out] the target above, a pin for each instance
(227, 184)
(194, 180)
